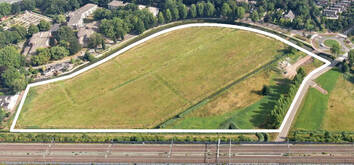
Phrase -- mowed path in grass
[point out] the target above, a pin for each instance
(150, 83)
(332, 112)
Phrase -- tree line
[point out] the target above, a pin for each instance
(321, 136)
(87, 138)
(276, 115)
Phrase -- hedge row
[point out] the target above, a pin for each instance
(321, 136)
(89, 138)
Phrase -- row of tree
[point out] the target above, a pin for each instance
(85, 138)
(277, 114)
(322, 136)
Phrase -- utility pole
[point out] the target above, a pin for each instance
(170, 153)
(230, 151)
(218, 150)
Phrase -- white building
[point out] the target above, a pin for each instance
(153, 10)
(77, 17)
(115, 4)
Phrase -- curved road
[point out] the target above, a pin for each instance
(285, 124)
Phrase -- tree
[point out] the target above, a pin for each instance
(335, 49)
(28, 5)
(58, 52)
(22, 32)
(168, 16)
(210, 9)
(161, 19)
(200, 9)
(5, 9)
(42, 57)
(11, 58)
(225, 10)
(351, 58)
(14, 79)
(265, 90)
(255, 16)
(32, 29)
(175, 14)
(67, 38)
(140, 27)
(44, 25)
(344, 67)
(193, 11)
(95, 40)
(59, 19)
(89, 57)
(183, 11)
(240, 12)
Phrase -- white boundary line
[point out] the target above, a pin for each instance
(12, 128)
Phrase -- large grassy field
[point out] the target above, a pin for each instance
(333, 112)
(151, 83)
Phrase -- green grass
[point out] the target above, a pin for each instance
(150, 83)
(330, 43)
(314, 106)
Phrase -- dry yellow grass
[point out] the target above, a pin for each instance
(150, 83)
(340, 113)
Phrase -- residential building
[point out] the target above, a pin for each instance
(84, 34)
(38, 40)
(290, 16)
(115, 4)
(330, 13)
(77, 17)
(153, 10)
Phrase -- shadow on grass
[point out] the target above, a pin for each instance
(281, 87)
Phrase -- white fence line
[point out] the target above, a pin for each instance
(12, 128)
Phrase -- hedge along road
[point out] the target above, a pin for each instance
(288, 117)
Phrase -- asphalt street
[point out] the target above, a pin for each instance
(176, 153)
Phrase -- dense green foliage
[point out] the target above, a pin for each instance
(116, 23)
(43, 55)
(322, 136)
(12, 36)
(44, 25)
(12, 69)
(66, 37)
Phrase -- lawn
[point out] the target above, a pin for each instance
(151, 83)
(330, 43)
(315, 105)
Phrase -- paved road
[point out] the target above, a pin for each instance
(177, 153)
(285, 131)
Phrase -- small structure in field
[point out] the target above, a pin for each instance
(77, 17)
